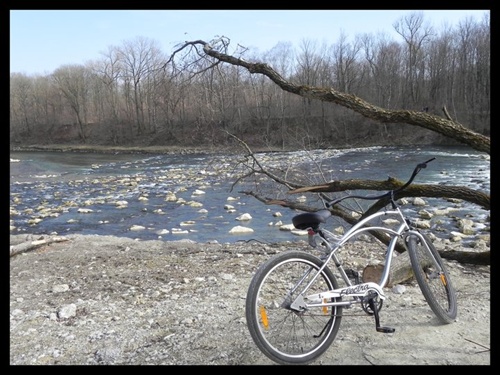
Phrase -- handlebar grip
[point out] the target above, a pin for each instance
(428, 161)
(424, 164)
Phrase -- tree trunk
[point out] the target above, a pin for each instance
(401, 271)
(31, 245)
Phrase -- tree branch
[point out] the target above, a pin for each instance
(444, 126)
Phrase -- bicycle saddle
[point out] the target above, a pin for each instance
(310, 219)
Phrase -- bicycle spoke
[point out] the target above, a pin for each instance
(283, 333)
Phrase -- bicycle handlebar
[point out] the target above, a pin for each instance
(417, 169)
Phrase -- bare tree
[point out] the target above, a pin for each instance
(139, 59)
(281, 56)
(21, 100)
(72, 80)
(384, 62)
(109, 71)
(416, 35)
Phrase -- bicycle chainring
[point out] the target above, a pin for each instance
(365, 303)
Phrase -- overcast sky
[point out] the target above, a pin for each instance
(44, 40)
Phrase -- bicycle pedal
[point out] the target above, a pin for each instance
(386, 329)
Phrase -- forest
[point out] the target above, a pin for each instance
(134, 95)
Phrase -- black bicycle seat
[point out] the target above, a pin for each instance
(310, 219)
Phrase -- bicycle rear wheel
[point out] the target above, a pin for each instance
(432, 277)
(284, 335)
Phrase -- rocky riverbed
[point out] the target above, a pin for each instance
(102, 300)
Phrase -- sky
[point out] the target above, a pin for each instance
(43, 40)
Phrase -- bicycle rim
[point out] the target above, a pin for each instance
(433, 278)
(284, 335)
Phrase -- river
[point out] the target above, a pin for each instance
(79, 193)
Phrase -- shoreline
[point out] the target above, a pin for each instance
(116, 149)
(176, 149)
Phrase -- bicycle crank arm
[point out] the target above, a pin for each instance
(378, 327)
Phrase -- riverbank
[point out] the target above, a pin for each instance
(117, 149)
(103, 300)
(164, 150)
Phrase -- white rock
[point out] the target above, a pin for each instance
(390, 221)
(60, 288)
(137, 227)
(424, 214)
(457, 234)
(339, 230)
(422, 224)
(179, 231)
(171, 197)
(244, 217)
(67, 311)
(240, 229)
(418, 202)
(398, 289)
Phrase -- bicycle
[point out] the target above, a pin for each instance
(294, 303)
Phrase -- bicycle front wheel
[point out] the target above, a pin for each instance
(284, 334)
(432, 277)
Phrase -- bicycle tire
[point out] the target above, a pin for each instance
(283, 335)
(432, 278)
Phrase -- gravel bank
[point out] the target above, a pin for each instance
(99, 300)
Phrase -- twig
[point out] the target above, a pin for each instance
(482, 351)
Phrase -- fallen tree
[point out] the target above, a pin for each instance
(34, 244)
(254, 168)
(217, 51)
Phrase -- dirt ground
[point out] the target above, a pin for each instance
(99, 300)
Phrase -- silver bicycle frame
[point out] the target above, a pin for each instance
(351, 290)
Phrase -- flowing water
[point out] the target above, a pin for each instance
(60, 183)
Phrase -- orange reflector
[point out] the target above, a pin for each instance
(443, 279)
(263, 316)
(325, 308)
